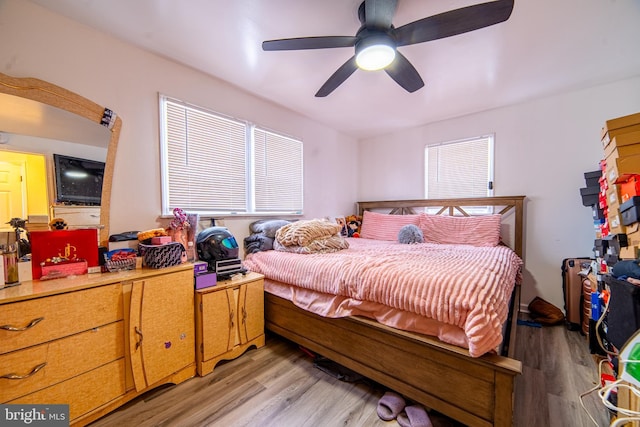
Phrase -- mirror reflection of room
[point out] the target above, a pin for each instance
(23, 186)
(29, 185)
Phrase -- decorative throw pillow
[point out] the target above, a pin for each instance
(410, 234)
(380, 226)
(461, 230)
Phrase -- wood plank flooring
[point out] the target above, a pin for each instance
(278, 385)
(557, 367)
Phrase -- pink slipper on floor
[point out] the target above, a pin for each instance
(390, 405)
(414, 416)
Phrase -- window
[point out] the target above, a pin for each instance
(213, 164)
(458, 169)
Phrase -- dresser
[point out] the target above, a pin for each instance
(96, 341)
(229, 320)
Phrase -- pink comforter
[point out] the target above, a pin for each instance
(464, 286)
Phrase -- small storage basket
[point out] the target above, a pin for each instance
(161, 256)
(120, 265)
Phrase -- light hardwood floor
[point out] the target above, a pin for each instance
(278, 385)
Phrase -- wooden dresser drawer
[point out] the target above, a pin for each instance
(36, 321)
(78, 216)
(59, 360)
(85, 392)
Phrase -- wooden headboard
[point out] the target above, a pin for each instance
(457, 207)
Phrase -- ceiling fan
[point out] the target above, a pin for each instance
(377, 40)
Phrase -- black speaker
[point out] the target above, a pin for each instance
(623, 317)
(101, 251)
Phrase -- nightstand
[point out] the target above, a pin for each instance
(229, 320)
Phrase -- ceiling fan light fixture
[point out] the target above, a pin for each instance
(375, 52)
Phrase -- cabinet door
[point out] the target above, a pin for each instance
(252, 311)
(161, 327)
(220, 318)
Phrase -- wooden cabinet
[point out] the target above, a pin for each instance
(229, 320)
(161, 327)
(96, 341)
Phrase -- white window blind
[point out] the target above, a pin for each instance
(214, 164)
(459, 168)
(277, 172)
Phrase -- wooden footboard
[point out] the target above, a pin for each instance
(474, 391)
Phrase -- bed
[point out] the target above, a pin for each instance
(472, 385)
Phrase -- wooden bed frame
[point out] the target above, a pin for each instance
(474, 391)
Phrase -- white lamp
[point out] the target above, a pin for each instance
(375, 52)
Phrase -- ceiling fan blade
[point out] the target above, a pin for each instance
(300, 43)
(338, 77)
(454, 22)
(404, 73)
(379, 13)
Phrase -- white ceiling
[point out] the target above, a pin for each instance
(546, 46)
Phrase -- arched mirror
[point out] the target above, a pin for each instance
(40, 119)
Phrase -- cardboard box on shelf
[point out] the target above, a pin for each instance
(615, 224)
(630, 211)
(633, 234)
(592, 179)
(619, 169)
(597, 212)
(623, 144)
(589, 195)
(614, 242)
(629, 188)
(613, 197)
(618, 126)
(630, 252)
(625, 150)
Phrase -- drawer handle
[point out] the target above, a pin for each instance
(21, 377)
(231, 316)
(139, 332)
(31, 324)
(244, 315)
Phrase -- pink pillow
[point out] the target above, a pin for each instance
(461, 230)
(384, 226)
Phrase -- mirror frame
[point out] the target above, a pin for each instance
(50, 94)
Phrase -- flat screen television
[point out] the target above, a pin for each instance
(78, 181)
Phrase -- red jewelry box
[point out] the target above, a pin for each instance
(69, 245)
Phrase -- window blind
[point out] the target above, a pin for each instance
(213, 164)
(459, 168)
(206, 161)
(277, 171)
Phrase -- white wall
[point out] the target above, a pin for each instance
(542, 148)
(38, 43)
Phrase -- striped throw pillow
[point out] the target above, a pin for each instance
(381, 226)
(461, 230)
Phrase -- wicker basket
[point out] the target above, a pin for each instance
(120, 265)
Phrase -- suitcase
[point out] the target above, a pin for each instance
(572, 287)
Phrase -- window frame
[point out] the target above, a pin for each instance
(249, 164)
(490, 187)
